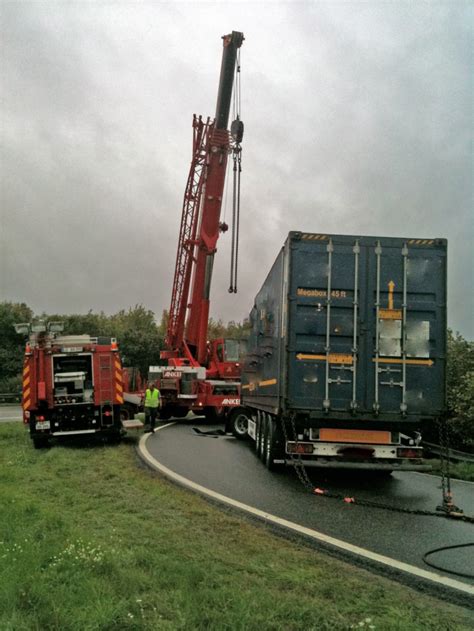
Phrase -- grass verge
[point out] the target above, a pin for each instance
(458, 470)
(91, 540)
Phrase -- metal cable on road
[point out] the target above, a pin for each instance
(443, 549)
(411, 511)
(300, 470)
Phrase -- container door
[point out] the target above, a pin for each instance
(324, 325)
(403, 352)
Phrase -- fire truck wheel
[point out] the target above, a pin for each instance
(124, 414)
(40, 442)
(239, 424)
(114, 438)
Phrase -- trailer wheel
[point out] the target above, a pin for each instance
(260, 434)
(272, 443)
(257, 433)
(263, 436)
(239, 424)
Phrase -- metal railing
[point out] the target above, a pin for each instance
(454, 454)
(8, 397)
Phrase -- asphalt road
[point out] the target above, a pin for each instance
(10, 413)
(231, 467)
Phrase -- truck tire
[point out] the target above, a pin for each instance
(259, 435)
(180, 412)
(114, 438)
(239, 424)
(165, 413)
(263, 436)
(214, 415)
(127, 412)
(272, 443)
(257, 432)
(40, 442)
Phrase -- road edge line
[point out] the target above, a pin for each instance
(289, 525)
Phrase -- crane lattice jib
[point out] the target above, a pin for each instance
(196, 332)
(202, 131)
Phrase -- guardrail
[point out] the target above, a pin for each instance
(8, 397)
(454, 454)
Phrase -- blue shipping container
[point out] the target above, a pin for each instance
(351, 328)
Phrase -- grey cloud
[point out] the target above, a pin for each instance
(357, 118)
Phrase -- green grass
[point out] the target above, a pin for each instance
(90, 539)
(458, 470)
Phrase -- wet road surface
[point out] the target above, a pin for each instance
(10, 413)
(231, 467)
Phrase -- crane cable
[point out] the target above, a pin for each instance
(237, 170)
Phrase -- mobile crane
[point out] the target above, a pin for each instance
(203, 375)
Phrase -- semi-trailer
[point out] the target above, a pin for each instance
(347, 353)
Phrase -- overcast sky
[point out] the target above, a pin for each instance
(358, 120)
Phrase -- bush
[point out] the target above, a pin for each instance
(460, 391)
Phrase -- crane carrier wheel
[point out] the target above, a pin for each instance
(238, 422)
(172, 411)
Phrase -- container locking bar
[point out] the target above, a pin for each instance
(356, 250)
(403, 405)
(378, 253)
(330, 250)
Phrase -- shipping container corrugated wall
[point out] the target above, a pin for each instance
(351, 326)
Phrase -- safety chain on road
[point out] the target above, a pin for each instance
(447, 510)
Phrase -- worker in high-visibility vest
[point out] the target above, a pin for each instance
(152, 404)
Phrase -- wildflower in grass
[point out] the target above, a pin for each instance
(79, 552)
(363, 624)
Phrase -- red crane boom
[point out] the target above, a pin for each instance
(200, 224)
(187, 346)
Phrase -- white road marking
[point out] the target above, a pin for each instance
(309, 532)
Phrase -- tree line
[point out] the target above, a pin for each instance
(141, 339)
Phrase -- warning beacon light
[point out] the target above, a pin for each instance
(23, 328)
(55, 327)
(38, 327)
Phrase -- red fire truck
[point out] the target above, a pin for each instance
(72, 385)
(203, 375)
